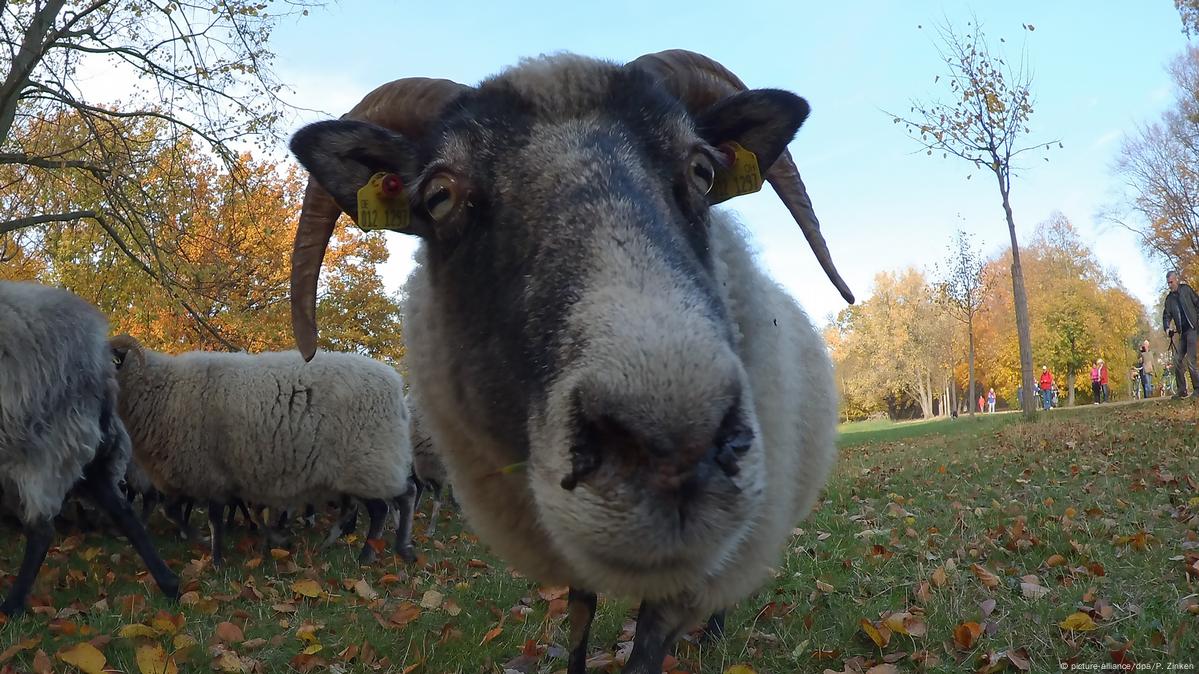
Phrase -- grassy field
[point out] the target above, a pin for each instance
(942, 546)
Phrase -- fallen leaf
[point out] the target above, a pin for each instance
(965, 634)
(1078, 622)
(41, 662)
(405, 613)
(363, 589)
(984, 576)
(230, 633)
(307, 588)
(85, 657)
(151, 659)
(879, 636)
(431, 599)
(885, 668)
(491, 634)
(23, 645)
(939, 578)
(280, 553)
(740, 669)
(182, 642)
(824, 587)
(137, 630)
(1055, 560)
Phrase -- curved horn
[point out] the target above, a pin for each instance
(406, 106)
(129, 344)
(699, 82)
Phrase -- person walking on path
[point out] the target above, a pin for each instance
(1096, 391)
(1180, 317)
(991, 401)
(1046, 384)
(1145, 369)
(1103, 378)
(981, 402)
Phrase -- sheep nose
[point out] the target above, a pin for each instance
(682, 462)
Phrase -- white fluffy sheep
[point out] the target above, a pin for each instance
(58, 424)
(267, 428)
(579, 309)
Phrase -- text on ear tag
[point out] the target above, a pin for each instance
(741, 177)
(383, 204)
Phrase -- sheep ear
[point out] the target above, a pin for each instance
(341, 156)
(118, 356)
(762, 121)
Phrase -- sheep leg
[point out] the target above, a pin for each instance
(38, 536)
(175, 513)
(216, 528)
(103, 492)
(404, 509)
(231, 519)
(377, 510)
(310, 515)
(431, 527)
(347, 521)
(714, 630)
(580, 607)
(150, 499)
(657, 629)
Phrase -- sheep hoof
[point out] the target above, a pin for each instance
(11, 610)
(170, 588)
(408, 554)
(368, 555)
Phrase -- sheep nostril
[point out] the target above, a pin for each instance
(733, 440)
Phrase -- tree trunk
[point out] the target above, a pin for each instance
(970, 362)
(24, 62)
(1070, 384)
(1021, 300)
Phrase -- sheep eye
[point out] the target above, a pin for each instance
(701, 173)
(441, 195)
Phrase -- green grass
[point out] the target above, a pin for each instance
(906, 504)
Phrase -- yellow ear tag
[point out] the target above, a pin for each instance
(741, 177)
(383, 204)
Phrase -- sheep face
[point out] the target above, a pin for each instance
(564, 211)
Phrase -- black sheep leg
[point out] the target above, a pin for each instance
(216, 528)
(104, 494)
(38, 535)
(404, 508)
(580, 607)
(377, 510)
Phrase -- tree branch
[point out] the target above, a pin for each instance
(21, 223)
(42, 162)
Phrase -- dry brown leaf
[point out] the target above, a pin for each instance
(229, 633)
(152, 659)
(85, 657)
(966, 634)
(984, 576)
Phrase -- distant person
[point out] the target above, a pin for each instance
(1145, 369)
(1103, 381)
(1180, 316)
(1020, 396)
(991, 401)
(1096, 391)
(1046, 383)
(981, 402)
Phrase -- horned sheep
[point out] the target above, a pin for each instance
(269, 429)
(578, 309)
(58, 425)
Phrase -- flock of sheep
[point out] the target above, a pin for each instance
(578, 309)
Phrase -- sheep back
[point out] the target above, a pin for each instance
(269, 426)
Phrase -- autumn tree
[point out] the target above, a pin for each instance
(895, 344)
(198, 69)
(223, 237)
(963, 285)
(983, 121)
(1159, 165)
(1079, 313)
(1189, 12)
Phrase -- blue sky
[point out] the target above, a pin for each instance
(1099, 72)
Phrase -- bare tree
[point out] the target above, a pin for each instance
(982, 122)
(1159, 165)
(199, 69)
(962, 288)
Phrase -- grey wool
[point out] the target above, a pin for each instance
(58, 424)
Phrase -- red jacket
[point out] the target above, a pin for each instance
(1103, 373)
(1046, 380)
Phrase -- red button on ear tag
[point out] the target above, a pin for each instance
(391, 186)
